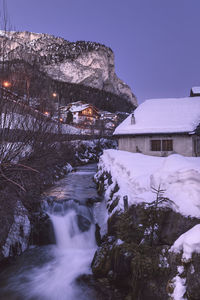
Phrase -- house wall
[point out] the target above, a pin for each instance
(75, 117)
(196, 143)
(182, 144)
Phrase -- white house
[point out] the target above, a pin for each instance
(161, 127)
(82, 113)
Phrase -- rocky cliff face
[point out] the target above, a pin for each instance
(87, 63)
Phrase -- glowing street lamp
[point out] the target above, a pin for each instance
(6, 84)
(56, 95)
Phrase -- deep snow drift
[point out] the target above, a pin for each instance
(136, 174)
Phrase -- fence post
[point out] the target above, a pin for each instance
(125, 198)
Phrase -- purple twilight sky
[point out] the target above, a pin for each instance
(156, 42)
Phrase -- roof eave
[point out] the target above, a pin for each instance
(154, 133)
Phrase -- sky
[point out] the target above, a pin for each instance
(156, 42)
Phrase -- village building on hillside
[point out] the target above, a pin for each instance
(109, 120)
(195, 91)
(161, 127)
(81, 113)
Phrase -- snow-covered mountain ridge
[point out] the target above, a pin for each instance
(87, 63)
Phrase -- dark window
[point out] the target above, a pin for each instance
(167, 145)
(161, 145)
(155, 145)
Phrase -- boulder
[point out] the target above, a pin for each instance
(193, 278)
(42, 232)
(173, 224)
(83, 223)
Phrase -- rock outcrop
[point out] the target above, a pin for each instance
(18, 236)
(142, 266)
(87, 63)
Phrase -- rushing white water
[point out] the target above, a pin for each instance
(50, 272)
(72, 257)
(68, 234)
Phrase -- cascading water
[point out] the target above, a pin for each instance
(49, 272)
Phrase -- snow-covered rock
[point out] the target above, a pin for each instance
(179, 288)
(68, 168)
(188, 243)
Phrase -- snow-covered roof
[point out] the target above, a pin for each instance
(75, 108)
(77, 103)
(196, 89)
(173, 115)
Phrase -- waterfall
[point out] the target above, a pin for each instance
(50, 272)
(68, 234)
(72, 257)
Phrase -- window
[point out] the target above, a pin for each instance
(155, 145)
(161, 145)
(167, 145)
(87, 111)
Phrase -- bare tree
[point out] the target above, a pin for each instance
(4, 39)
(23, 132)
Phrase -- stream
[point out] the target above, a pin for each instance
(49, 272)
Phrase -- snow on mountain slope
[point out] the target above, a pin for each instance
(87, 63)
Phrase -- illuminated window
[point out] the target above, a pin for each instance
(87, 111)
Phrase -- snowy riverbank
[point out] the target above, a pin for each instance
(135, 175)
(150, 251)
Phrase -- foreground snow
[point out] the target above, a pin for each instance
(136, 174)
(188, 243)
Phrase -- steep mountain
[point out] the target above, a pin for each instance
(87, 64)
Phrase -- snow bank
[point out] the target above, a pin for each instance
(136, 174)
(69, 129)
(188, 243)
(28, 122)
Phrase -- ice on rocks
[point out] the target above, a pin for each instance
(19, 231)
